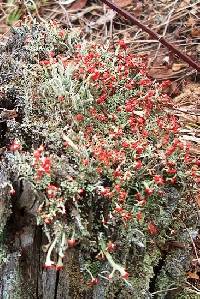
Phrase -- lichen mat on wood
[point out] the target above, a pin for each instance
(96, 185)
(153, 34)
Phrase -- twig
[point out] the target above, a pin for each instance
(163, 291)
(166, 27)
(193, 244)
(105, 25)
(182, 110)
(156, 36)
(71, 143)
(186, 75)
(65, 13)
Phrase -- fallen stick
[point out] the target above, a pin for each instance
(156, 36)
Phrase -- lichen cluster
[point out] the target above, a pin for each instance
(105, 162)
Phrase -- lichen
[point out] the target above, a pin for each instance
(74, 201)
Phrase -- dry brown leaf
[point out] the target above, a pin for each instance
(195, 150)
(196, 262)
(197, 198)
(79, 4)
(4, 28)
(163, 73)
(177, 66)
(184, 3)
(193, 275)
(195, 32)
(123, 3)
(191, 22)
(159, 72)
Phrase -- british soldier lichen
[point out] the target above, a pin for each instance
(102, 150)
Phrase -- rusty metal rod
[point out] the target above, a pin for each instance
(156, 36)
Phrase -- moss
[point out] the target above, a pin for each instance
(186, 295)
(5, 211)
(3, 254)
(173, 272)
(11, 278)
